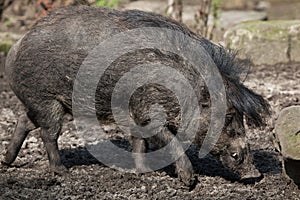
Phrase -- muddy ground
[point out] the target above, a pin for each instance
(88, 179)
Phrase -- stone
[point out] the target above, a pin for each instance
(294, 34)
(231, 18)
(287, 132)
(266, 42)
(227, 18)
(239, 4)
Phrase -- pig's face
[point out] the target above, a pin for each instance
(233, 149)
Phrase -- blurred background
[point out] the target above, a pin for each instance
(217, 20)
(19, 15)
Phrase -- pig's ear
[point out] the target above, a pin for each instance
(233, 71)
(254, 107)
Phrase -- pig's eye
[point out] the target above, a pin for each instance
(235, 156)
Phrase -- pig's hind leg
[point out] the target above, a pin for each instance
(24, 126)
(50, 120)
(45, 114)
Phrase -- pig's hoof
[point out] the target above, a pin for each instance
(186, 177)
(187, 180)
(4, 164)
(59, 170)
(8, 159)
(142, 170)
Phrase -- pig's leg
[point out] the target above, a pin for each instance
(184, 167)
(49, 115)
(139, 147)
(24, 126)
(185, 170)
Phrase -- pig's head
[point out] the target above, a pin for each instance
(232, 147)
(242, 103)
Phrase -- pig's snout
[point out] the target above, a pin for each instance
(253, 174)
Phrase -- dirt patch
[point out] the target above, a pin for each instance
(89, 179)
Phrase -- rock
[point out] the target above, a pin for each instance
(266, 42)
(288, 132)
(227, 18)
(234, 17)
(288, 136)
(239, 4)
(294, 41)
